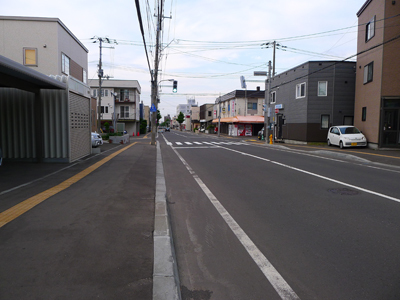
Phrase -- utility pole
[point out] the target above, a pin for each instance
(268, 100)
(273, 59)
(154, 83)
(101, 75)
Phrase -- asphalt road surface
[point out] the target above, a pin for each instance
(257, 222)
(90, 234)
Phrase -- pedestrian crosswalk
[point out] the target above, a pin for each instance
(204, 144)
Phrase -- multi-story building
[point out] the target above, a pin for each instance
(185, 108)
(45, 45)
(195, 118)
(206, 115)
(377, 100)
(306, 100)
(54, 119)
(120, 101)
(240, 112)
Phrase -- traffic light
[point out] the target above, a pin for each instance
(175, 86)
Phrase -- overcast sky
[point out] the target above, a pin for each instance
(207, 44)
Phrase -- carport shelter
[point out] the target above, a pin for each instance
(42, 119)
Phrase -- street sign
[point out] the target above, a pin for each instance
(276, 110)
(153, 108)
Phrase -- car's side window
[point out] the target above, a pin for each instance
(335, 131)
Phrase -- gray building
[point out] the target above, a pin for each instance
(45, 45)
(42, 118)
(308, 99)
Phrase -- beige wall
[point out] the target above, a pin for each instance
(391, 60)
(17, 34)
(48, 36)
(369, 95)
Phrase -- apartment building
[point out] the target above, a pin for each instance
(120, 101)
(307, 99)
(377, 98)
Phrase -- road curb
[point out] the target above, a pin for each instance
(165, 275)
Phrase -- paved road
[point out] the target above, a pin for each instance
(91, 235)
(257, 222)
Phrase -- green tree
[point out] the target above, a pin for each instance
(158, 117)
(180, 119)
(143, 126)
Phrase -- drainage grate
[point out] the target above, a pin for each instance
(344, 191)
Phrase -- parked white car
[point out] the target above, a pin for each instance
(96, 139)
(346, 136)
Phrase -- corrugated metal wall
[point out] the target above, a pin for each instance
(17, 126)
(55, 125)
(80, 137)
(64, 124)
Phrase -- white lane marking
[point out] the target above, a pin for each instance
(187, 143)
(317, 175)
(269, 271)
(179, 143)
(198, 143)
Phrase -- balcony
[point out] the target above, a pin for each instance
(126, 100)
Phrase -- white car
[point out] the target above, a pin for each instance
(96, 139)
(346, 136)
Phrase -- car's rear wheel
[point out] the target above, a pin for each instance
(329, 143)
(341, 145)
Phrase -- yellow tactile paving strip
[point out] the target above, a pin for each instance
(21, 208)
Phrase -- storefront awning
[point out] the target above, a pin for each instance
(242, 119)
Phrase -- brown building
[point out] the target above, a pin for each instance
(377, 102)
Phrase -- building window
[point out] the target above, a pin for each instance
(370, 29)
(368, 72)
(324, 121)
(124, 112)
(300, 90)
(322, 88)
(64, 64)
(364, 114)
(209, 113)
(30, 57)
(273, 97)
(125, 95)
(252, 105)
(95, 93)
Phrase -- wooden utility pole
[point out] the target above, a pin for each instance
(154, 83)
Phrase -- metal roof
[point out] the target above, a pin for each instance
(15, 75)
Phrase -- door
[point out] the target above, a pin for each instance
(391, 132)
(279, 123)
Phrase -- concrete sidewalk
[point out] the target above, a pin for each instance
(139, 260)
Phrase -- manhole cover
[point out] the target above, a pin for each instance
(344, 191)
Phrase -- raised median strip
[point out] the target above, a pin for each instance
(24, 206)
(165, 273)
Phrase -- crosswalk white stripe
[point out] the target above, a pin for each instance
(209, 143)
